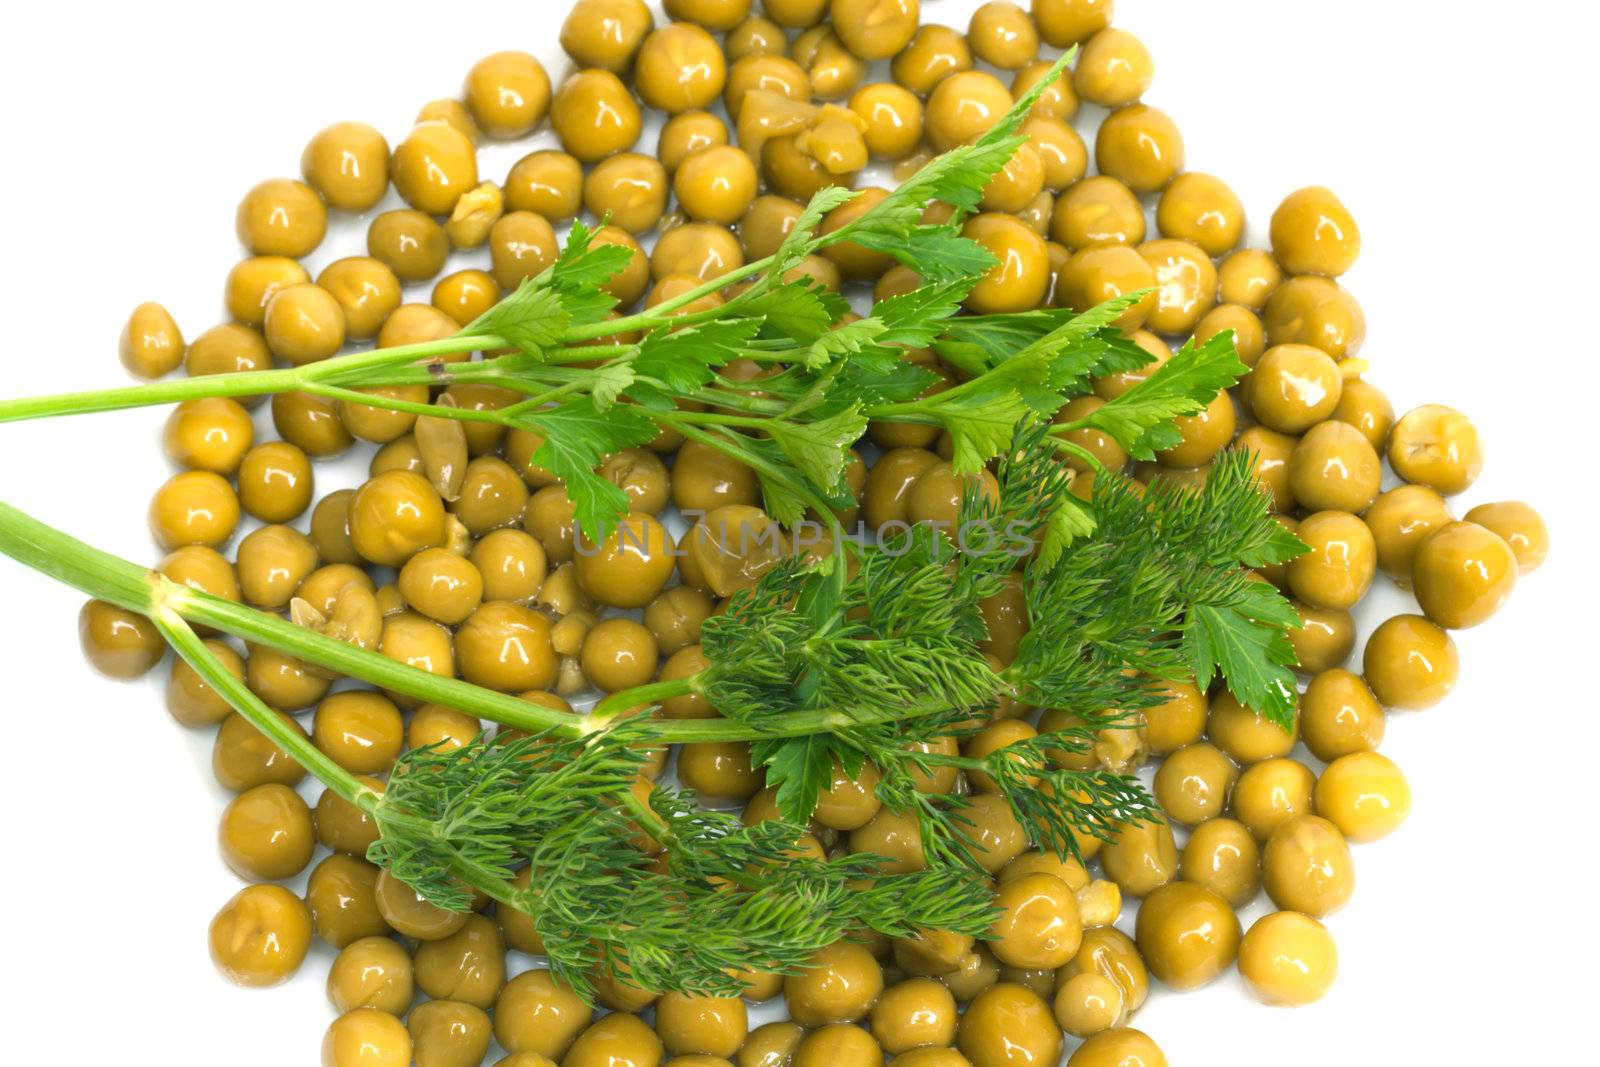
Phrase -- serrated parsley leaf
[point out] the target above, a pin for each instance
(684, 359)
(801, 309)
(959, 178)
(871, 383)
(1106, 313)
(914, 319)
(1253, 654)
(533, 319)
(578, 436)
(857, 338)
(1141, 419)
(819, 448)
(580, 271)
(801, 769)
(584, 265)
(1069, 520)
(609, 380)
(1030, 374)
(936, 253)
(1279, 547)
(797, 244)
(981, 424)
(783, 486)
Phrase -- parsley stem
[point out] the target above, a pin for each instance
(743, 401)
(339, 366)
(409, 407)
(661, 314)
(241, 383)
(246, 383)
(713, 418)
(724, 442)
(588, 353)
(1079, 452)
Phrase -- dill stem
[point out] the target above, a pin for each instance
(117, 581)
(626, 700)
(187, 644)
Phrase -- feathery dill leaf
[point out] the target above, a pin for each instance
(1160, 591)
(1056, 807)
(478, 807)
(732, 898)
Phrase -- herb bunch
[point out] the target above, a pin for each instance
(871, 655)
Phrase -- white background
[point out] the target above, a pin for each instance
(1459, 135)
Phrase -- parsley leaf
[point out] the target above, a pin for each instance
(914, 319)
(683, 359)
(1069, 520)
(1141, 419)
(959, 177)
(859, 338)
(820, 448)
(981, 423)
(801, 768)
(1252, 653)
(578, 436)
(800, 309)
(533, 318)
(797, 244)
(585, 265)
(609, 382)
(936, 253)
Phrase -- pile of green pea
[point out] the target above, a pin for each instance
(456, 554)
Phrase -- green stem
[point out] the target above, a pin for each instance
(539, 400)
(382, 357)
(661, 314)
(278, 730)
(714, 418)
(244, 383)
(1079, 452)
(181, 636)
(107, 577)
(639, 696)
(390, 403)
(739, 401)
(724, 444)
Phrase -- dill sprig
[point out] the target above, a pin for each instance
(732, 897)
